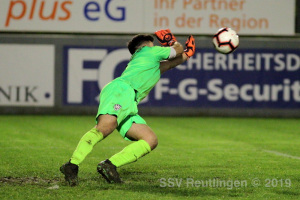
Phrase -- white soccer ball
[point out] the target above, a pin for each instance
(226, 40)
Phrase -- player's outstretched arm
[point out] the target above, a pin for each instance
(187, 53)
(170, 64)
(178, 48)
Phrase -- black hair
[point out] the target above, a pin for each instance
(137, 40)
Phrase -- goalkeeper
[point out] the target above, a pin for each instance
(119, 100)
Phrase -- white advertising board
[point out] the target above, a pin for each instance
(249, 17)
(26, 75)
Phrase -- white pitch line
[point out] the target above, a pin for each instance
(282, 154)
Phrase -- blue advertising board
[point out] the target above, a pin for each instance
(247, 78)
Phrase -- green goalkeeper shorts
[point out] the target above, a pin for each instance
(119, 99)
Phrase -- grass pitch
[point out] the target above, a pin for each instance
(197, 158)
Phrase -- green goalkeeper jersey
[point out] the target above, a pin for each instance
(142, 72)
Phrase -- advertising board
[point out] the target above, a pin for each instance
(248, 78)
(250, 17)
(26, 75)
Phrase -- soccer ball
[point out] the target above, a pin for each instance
(226, 40)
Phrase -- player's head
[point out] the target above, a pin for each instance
(137, 41)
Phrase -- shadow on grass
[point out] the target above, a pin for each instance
(148, 182)
(288, 192)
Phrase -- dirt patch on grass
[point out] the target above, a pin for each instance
(28, 180)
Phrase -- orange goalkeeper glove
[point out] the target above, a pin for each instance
(190, 46)
(165, 37)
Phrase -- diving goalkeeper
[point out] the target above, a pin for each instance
(119, 100)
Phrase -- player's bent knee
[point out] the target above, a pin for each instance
(106, 124)
(152, 141)
(105, 130)
(154, 144)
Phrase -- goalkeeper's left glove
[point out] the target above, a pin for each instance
(165, 37)
(190, 46)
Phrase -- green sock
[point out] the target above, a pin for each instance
(131, 153)
(85, 145)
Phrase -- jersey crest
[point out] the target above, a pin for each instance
(117, 107)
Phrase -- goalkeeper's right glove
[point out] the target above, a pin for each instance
(190, 46)
(165, 37)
